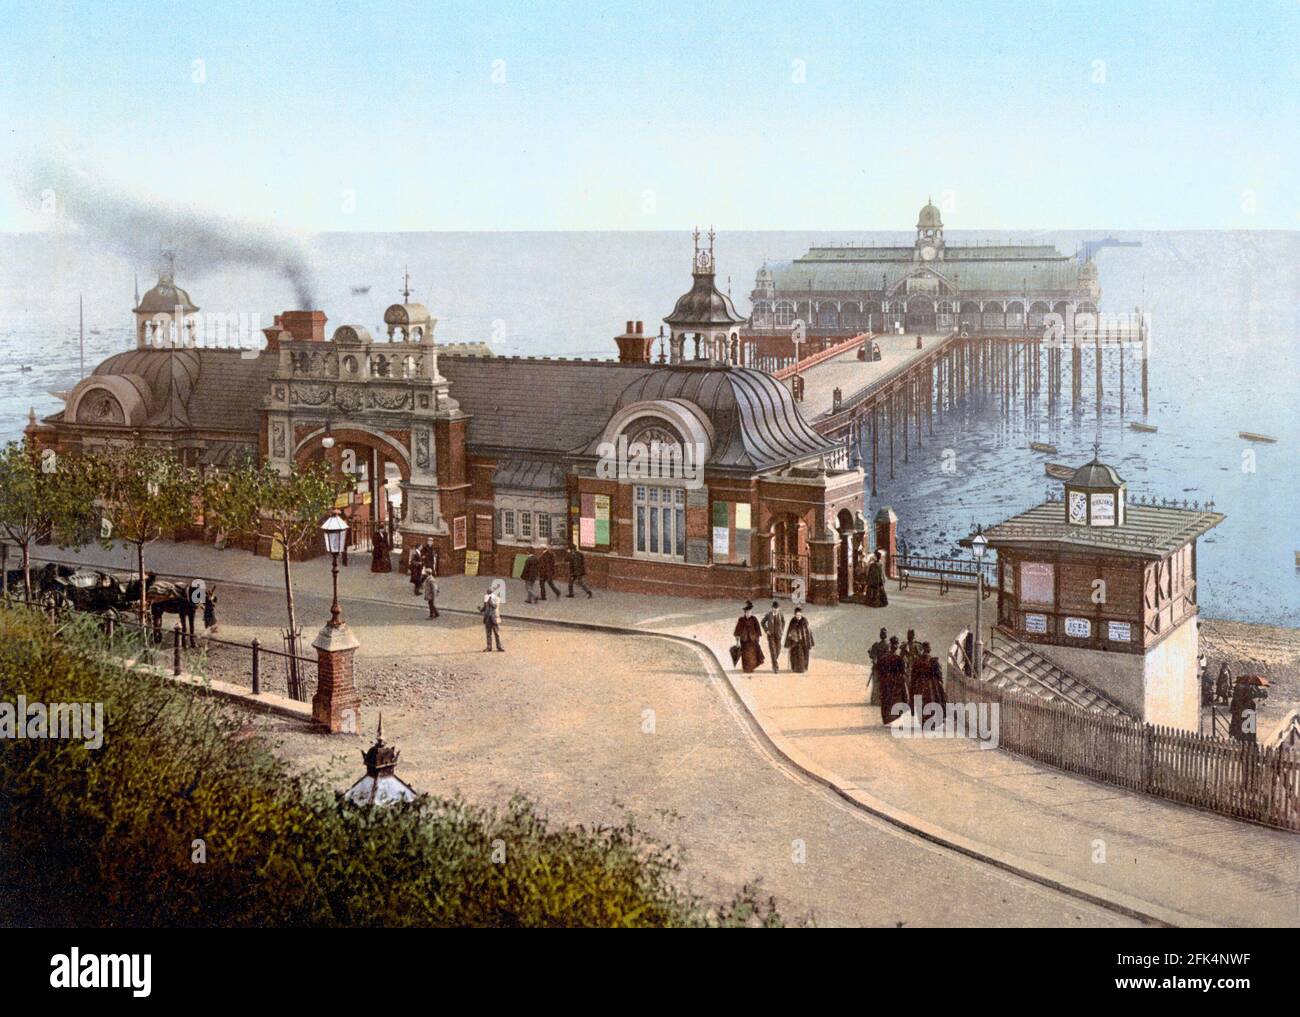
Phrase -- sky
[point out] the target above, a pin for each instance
(654, 116)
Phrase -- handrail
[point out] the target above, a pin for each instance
(1056, 669)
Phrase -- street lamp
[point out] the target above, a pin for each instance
(978, 544)
(335, 532)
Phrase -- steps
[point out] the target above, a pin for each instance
(1009, 663)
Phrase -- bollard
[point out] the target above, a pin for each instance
(257, 667)
(176, 649)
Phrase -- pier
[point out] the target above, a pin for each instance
(889, 405)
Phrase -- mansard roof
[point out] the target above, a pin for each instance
(519, 405)
(187, 388)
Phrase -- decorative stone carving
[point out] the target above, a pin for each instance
(348, 399)
(310, 395)
(422, 448)
(422, 510)
(388, 399)
(277, 441)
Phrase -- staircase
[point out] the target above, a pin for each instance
(1011, 664)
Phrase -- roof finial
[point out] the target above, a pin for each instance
(169, 272)
(1096, 450)
(406, 285)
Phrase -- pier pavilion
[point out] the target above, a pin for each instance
(928, 286)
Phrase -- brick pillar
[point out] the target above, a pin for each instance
(337, 704)
(823, 586)
(886, 538)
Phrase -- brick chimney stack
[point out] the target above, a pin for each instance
(303, 326)
(634, 345)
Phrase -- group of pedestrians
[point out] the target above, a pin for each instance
(751, 633)
(422, 570)
(908, 673)
(540, 569)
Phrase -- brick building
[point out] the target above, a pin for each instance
(692, 477)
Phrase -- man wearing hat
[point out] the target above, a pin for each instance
(748, 650)
(774, 627)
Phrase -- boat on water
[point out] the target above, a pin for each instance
(1252, 436)
(1058, 471)
(1042, 446)
(1145, 428)
(360, 291)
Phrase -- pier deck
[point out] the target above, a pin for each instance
(855, 378)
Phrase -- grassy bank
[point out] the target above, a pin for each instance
(180, 819)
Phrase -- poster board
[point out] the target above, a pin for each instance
(471, 563)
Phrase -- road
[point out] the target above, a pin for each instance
(595, 727)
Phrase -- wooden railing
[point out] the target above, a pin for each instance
(1232, 778)
(821, 356)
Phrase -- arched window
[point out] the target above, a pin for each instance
(784, 315)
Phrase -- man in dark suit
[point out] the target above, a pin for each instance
(774, 628)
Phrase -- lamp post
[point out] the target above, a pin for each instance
(978, 544)
(335, 531)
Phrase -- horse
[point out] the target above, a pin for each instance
(183, 601)
(43, 580)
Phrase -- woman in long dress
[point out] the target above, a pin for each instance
(799, 641)
(893, 686)
(749, 637)
(876, 595)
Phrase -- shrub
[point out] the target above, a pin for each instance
(106, 837)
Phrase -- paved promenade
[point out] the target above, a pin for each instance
(1152, 858)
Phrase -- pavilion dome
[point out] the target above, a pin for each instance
(165, 297)
(704, 307)
(406, 314)
(929, 217)
(1095, 474)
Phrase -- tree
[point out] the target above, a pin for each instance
(41, 491)
(256, 502)
(142, 493)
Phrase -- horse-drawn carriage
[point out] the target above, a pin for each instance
(60, 587)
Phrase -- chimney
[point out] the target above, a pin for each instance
(634, 345)
(274, 335)
(303, 326)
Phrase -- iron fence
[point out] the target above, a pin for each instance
(248, 665)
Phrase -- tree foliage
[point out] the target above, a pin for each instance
(142, 493)
(42, 492)
(108, 836)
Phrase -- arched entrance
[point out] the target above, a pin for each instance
(848, 552)
(378, 467)
(789, 554)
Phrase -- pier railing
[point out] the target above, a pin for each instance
(1233, 778)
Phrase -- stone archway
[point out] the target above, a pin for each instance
(362, 453)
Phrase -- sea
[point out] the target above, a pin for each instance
(1223, 311)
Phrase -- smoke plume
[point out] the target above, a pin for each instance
(144, 230)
